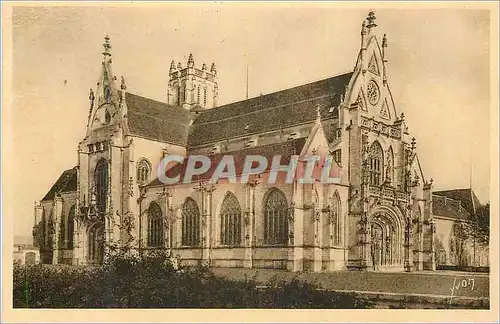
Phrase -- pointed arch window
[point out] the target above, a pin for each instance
(62, 232)
(101, 185)
(275, 218)
(96, 243)
(143, 172)
(230, 218)
(336, 210)
(376, 164)
(66, 230)
(156, 237)
(70, 226)
(182, 95)
(332, 228)
(190, 223)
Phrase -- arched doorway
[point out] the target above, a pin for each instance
(387, 250)
(96, 243)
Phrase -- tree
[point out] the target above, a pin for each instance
(478, 229)
(483, 224)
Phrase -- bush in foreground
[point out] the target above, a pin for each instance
(153, 282)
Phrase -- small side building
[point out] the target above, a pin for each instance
(25, 252)
(456, 246)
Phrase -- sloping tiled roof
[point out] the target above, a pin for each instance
(285, 149)
(65, 183)
(269, 112)
(466, 196)
(157, 120)
(448, 207)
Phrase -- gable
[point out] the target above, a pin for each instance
(369, 87)
(416, 170)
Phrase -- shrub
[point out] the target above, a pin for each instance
(153, 281)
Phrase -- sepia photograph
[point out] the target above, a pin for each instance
(320, 157)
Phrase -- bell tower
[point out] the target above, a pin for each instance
(190, 87)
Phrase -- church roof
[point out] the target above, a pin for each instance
(65, 183)
(156, 120)
(286, 149)
(467, 197)
(269, 112)
(448, 207)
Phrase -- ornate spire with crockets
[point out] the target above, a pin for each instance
(107, 47)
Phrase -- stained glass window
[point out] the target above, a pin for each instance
(275, 218)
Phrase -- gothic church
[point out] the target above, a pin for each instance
(379, 217)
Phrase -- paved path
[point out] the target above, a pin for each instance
(430, 283)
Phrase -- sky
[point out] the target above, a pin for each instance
(438, 72)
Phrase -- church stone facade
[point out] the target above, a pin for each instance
(378, 217)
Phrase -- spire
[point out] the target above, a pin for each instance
(105, 91)
(371, 20)
(204, 67)
(91, 99)
(179, 65)
(172, 67)
(190, 62)
(107, 48)
(123, 85)
(213, 69)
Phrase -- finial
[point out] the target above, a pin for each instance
(123, 85)
(431, 181)
(204, 67)
(91, 95)
(384, 41)
(213, 69)
(413, 143)
(179, 65)
(402, 117)
(371, 20)
(172, 66)
(318, 112)
(107, 47)
(190, 61)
